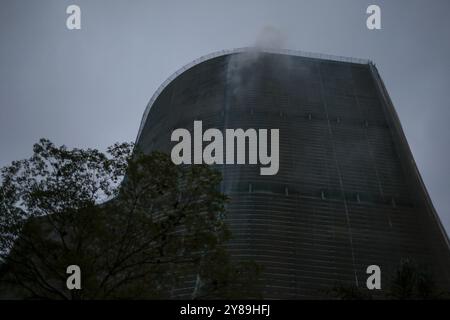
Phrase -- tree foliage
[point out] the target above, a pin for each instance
(411, 282)
(137, 225)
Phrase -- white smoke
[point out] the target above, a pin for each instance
(270, 38)
(239, 65)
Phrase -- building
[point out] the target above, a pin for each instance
(347, 194)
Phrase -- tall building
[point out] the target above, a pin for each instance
(347, 194)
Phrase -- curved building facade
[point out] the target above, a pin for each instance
(347, 194)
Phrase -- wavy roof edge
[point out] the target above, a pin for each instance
(241, 50)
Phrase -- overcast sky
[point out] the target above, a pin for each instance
(89, 87)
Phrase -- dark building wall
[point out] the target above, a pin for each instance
(347, 194)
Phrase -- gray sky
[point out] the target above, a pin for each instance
(89, 88)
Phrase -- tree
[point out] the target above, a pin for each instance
(342, 291)
(409, 282)
(412, 282)
(137, 226)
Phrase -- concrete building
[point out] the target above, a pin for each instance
(347, 194)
